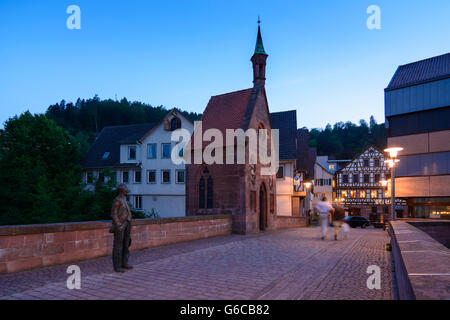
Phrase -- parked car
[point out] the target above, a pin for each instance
(357, 222)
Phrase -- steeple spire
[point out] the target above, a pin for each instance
(259, 60)
(259, 48)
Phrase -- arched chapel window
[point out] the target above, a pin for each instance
(206, 190)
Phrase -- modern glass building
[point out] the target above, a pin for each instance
(417, 110)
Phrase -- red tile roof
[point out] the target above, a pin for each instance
(226, 111)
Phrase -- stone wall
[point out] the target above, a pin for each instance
(422, 265)
(33, 246)
(284, 222)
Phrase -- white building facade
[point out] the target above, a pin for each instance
(140, 157)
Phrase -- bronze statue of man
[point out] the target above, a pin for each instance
(121, 227)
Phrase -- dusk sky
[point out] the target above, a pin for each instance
(323, 60)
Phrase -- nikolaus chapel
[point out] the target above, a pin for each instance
(237, 189)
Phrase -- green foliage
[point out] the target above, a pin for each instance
(41, 176)
(38, 168)
(86, 118)
(347, 140)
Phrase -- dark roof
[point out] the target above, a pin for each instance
(423, 71)
(109, 140)
(286, 122)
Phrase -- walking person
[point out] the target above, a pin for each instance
(121, 227)
(338, 219)
(324, 209)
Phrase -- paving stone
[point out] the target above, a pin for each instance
(287, 264)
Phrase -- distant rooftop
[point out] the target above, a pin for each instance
(431, 69)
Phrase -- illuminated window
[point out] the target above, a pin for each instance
(331, 167)
(373, 194)
(344, 193)
(353, 194)
(362, 194)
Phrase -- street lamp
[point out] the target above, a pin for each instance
(307, 186)
(384, 185)
(393, 153)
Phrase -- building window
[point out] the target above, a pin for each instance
(132, 153)
(114, 176)
(345, 178)
(353, 194)
(101, 177)
(366, 163)
(175, 124)
(377, 178)
(366, 178)
(280, 172)
(344, 194)
(138, 202)
(165, 152)
(206, 190)
(165, 176)
(362, 194)
(331, 167)
(380, 194)
(355, 178)
(105, 155)
(151, 151)
(373, 194)
(137, 176)
(201, 193)
(209, 193)
(180, 176)
(90, 177)
(377, 163)
(151, 176)
(125, 177)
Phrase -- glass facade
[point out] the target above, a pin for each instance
(430, 208)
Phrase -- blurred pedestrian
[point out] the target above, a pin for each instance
(338, 219)
(325, 210)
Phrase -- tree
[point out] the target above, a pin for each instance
(346, 140)
(38, 169)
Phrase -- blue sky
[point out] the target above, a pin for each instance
(323, 60)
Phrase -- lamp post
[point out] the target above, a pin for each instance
(384, 184)
(393, 153)
(307, 186)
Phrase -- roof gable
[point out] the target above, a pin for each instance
(369, 151)
(432, 69)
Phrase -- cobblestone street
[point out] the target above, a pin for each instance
(287, 264)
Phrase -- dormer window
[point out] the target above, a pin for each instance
(175, 124)
(105, 156)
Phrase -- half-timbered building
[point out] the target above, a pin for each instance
(359, 188)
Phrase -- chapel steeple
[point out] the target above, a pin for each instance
(259, 60)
